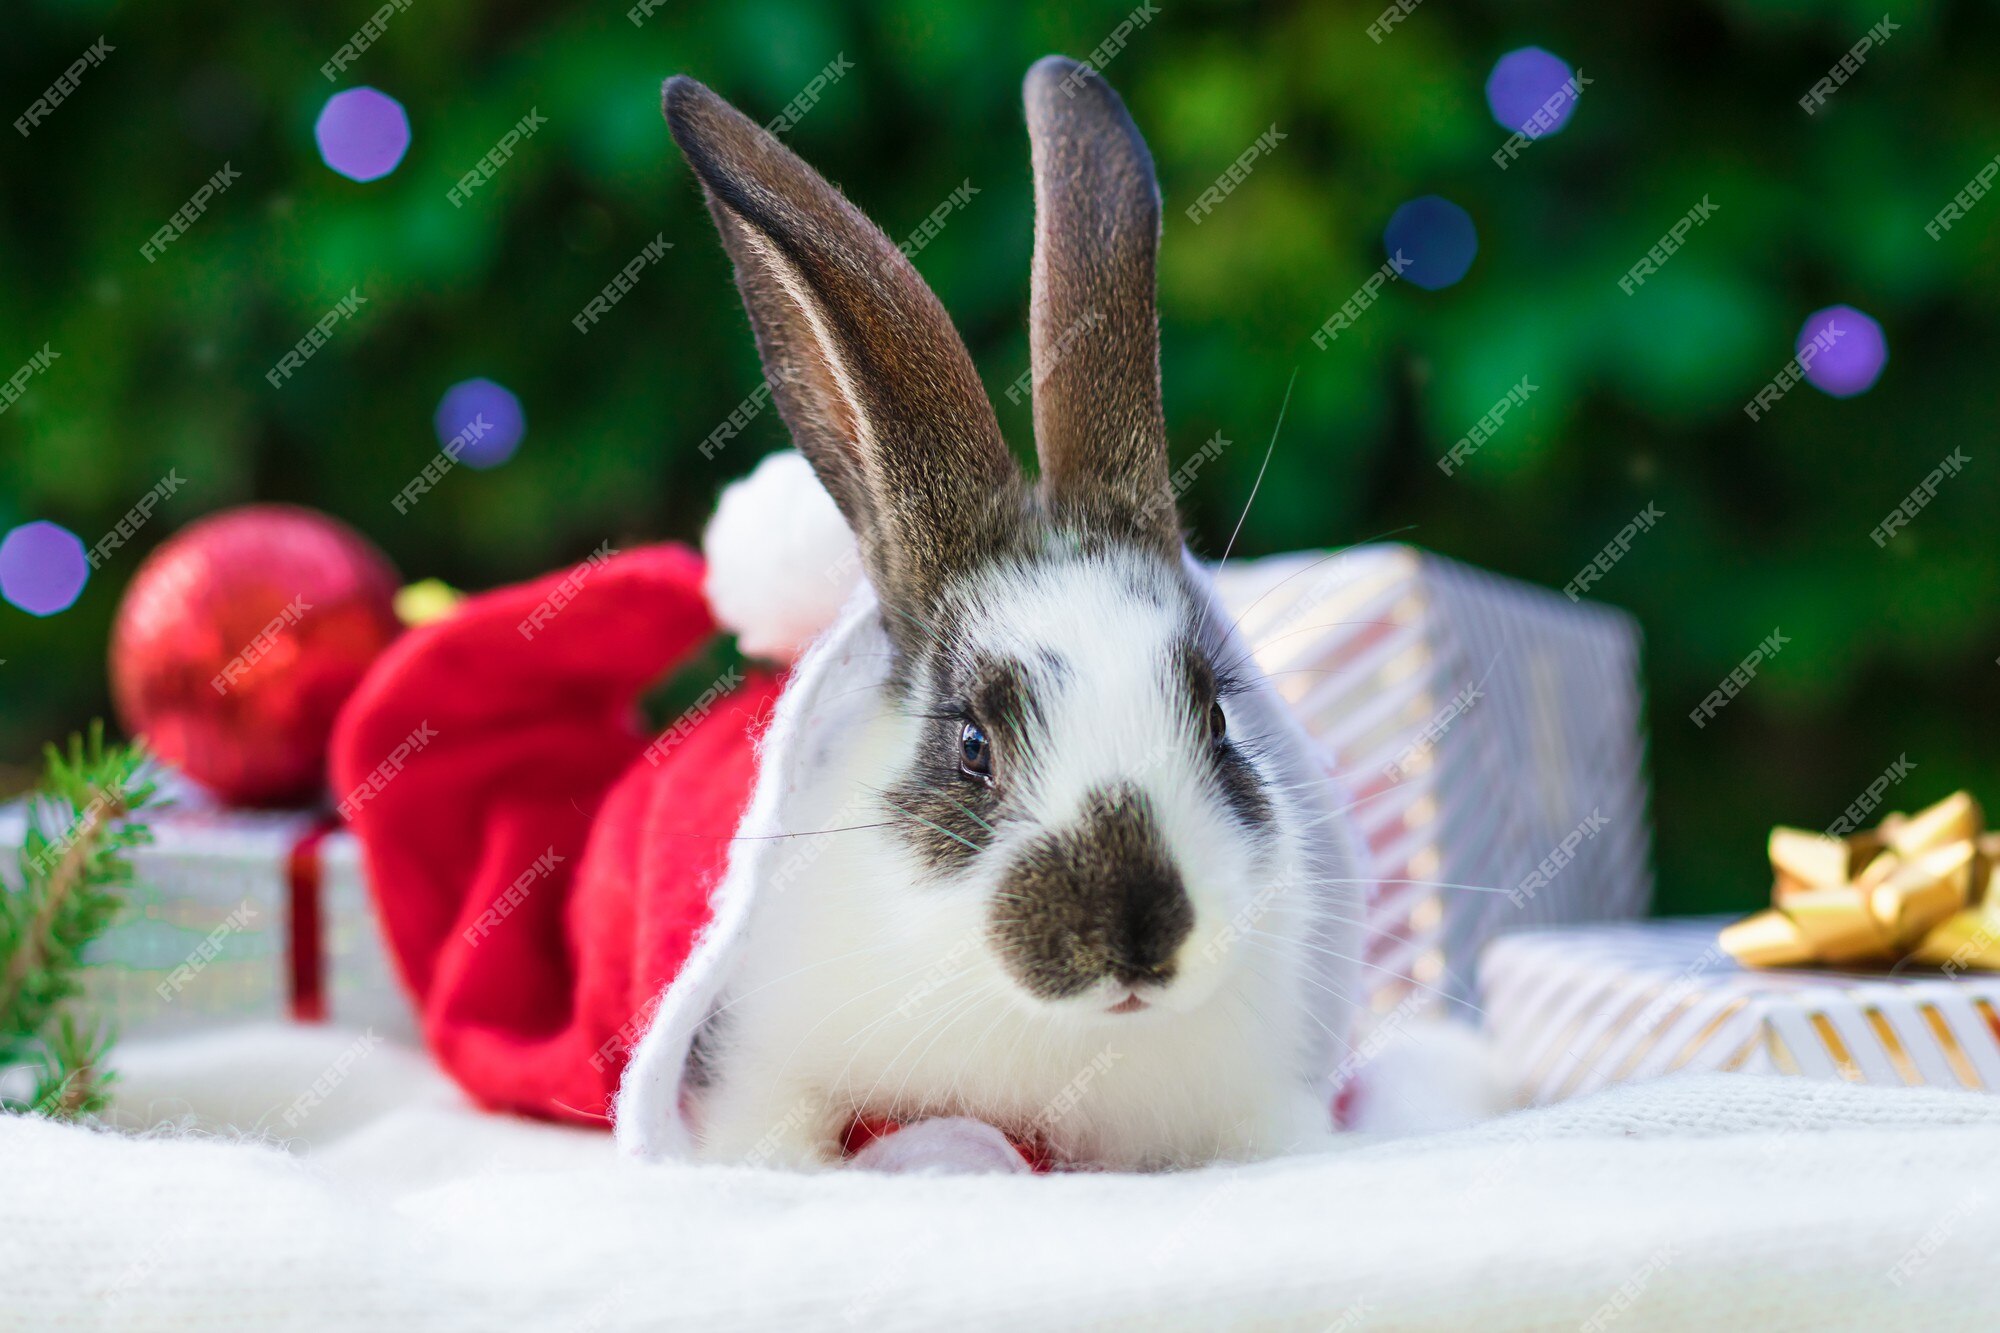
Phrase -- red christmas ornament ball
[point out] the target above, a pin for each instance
(240, 638)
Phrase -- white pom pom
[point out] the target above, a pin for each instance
(950, 1145)
(781, 561)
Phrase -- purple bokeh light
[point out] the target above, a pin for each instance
(362, 133)
(467, 404)
(43, 568)
(1522, 83)
(1850, 358)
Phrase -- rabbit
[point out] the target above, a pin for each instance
(1032, 842)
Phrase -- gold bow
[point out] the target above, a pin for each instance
(1919, 887)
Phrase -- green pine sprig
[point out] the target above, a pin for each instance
(72, 881)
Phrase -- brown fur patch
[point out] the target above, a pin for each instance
(942, 814)
(1094, 333)
(1101, 898)
(865, 366)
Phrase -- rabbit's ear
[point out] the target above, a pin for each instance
(1094, 336)
(878, 390)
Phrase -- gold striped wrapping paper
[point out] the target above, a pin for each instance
(1475, 725)
(1574, 1010)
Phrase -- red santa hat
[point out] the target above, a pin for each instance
(542, 861)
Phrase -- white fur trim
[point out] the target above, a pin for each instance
(649, 1114)
(781, 561)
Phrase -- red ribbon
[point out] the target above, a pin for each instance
(308, 946)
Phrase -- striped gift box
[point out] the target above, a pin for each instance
(237, 915)
(1573, 1010)
(1487, 735)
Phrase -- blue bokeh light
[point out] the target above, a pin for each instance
(1525, 81)
(1436, 239)
(489, 418)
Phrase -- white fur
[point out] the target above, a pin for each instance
(1432, 1076)
(781, 561)
(848, 978)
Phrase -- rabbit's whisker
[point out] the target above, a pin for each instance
(1336, 551)
(930, 824)
(853, 999)
(1374, 967)
(779, 980)
(1269, 449)
(936, 1028)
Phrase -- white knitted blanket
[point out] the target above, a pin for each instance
(1695, 1202)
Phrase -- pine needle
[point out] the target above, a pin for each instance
(71, 882)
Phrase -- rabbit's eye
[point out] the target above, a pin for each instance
(1218, 725)
(975, 752)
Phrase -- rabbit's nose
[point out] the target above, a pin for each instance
(1152, 916)
(1100, 898)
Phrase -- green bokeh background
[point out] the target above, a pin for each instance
(1893, 651)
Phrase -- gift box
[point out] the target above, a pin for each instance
(1575, 1009)
(1486, 736)
(237, 915)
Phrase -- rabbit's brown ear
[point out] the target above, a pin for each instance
(1093, 333)
(864, 364)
